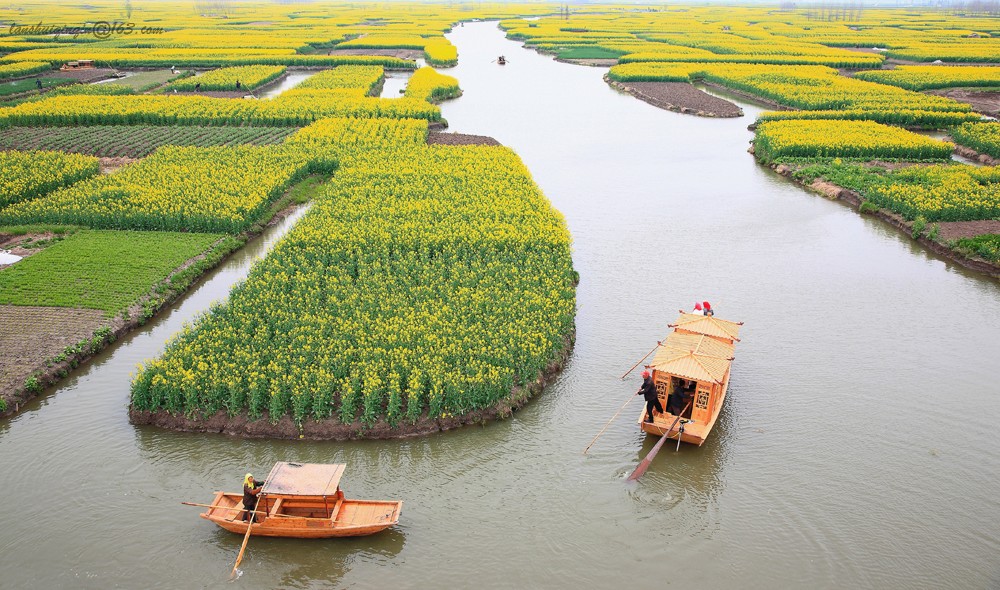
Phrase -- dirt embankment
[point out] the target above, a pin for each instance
(400, 53)
(985, 102)
(594, 62)
(972, 154)
(334, 429)
(948, 230)
(112, 165)
(438, 138)
(680, 97)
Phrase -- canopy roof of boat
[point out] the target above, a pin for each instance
(694, 356)
(303, 479)
(708, 325)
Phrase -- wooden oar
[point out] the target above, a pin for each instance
(629, 400)
(658, 344)
(239, 558)
(644, 464)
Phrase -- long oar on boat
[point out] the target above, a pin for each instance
(644, 464)
(239, 558)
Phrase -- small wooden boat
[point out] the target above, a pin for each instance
(304, 500)
(698, 352)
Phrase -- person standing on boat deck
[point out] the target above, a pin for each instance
(251, 491)
(648, 391)
(708, 308)
(697, 309)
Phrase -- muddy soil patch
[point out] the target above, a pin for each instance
(680, 97)
(954, 230)
(596, 62)
(24, 245)
(972, 154)
(111, 165)
(29, 336)
(84, 76)
(437, 138)
(400, 53)
(986, 102)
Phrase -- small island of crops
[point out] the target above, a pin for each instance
(428, 286)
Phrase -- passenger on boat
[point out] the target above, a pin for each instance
(678, 399)
(648, 391)
(697, 309)
(251, 489)
(708, 308)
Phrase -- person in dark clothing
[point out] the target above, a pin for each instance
(677, 400)
(251, 491)
(38, 83)
(238, 85)
(648, 391)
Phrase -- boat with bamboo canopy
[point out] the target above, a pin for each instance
(697, 356)
(304, 500)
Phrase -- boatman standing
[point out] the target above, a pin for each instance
(648, 391)
(251, 491)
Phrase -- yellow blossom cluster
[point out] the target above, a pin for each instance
(799, 138)
(28, 175)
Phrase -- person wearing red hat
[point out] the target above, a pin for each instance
(648, 391)
(708, 308)
(697, 309)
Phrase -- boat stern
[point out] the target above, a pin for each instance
(694, 433)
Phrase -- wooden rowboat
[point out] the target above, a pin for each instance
(304, 500)
(699, 352)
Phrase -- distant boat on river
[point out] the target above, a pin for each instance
(698, 353)
(304, 500)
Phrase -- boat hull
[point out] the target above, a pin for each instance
(661, 427)
(349, 518)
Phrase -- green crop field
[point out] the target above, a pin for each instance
(29, 84)
(105, 270)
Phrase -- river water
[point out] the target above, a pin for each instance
(857, 447)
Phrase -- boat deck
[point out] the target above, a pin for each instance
(694, 432)
(359, 512)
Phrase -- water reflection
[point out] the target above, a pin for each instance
(395, 84)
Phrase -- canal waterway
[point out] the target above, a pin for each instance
(291, 80)
(858, 446)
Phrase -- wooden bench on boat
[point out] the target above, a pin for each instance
(699, 350)
(304, 500)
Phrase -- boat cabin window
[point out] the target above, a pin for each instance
(702, 398)
(662, 386)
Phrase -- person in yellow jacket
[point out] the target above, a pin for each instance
(251, 492)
